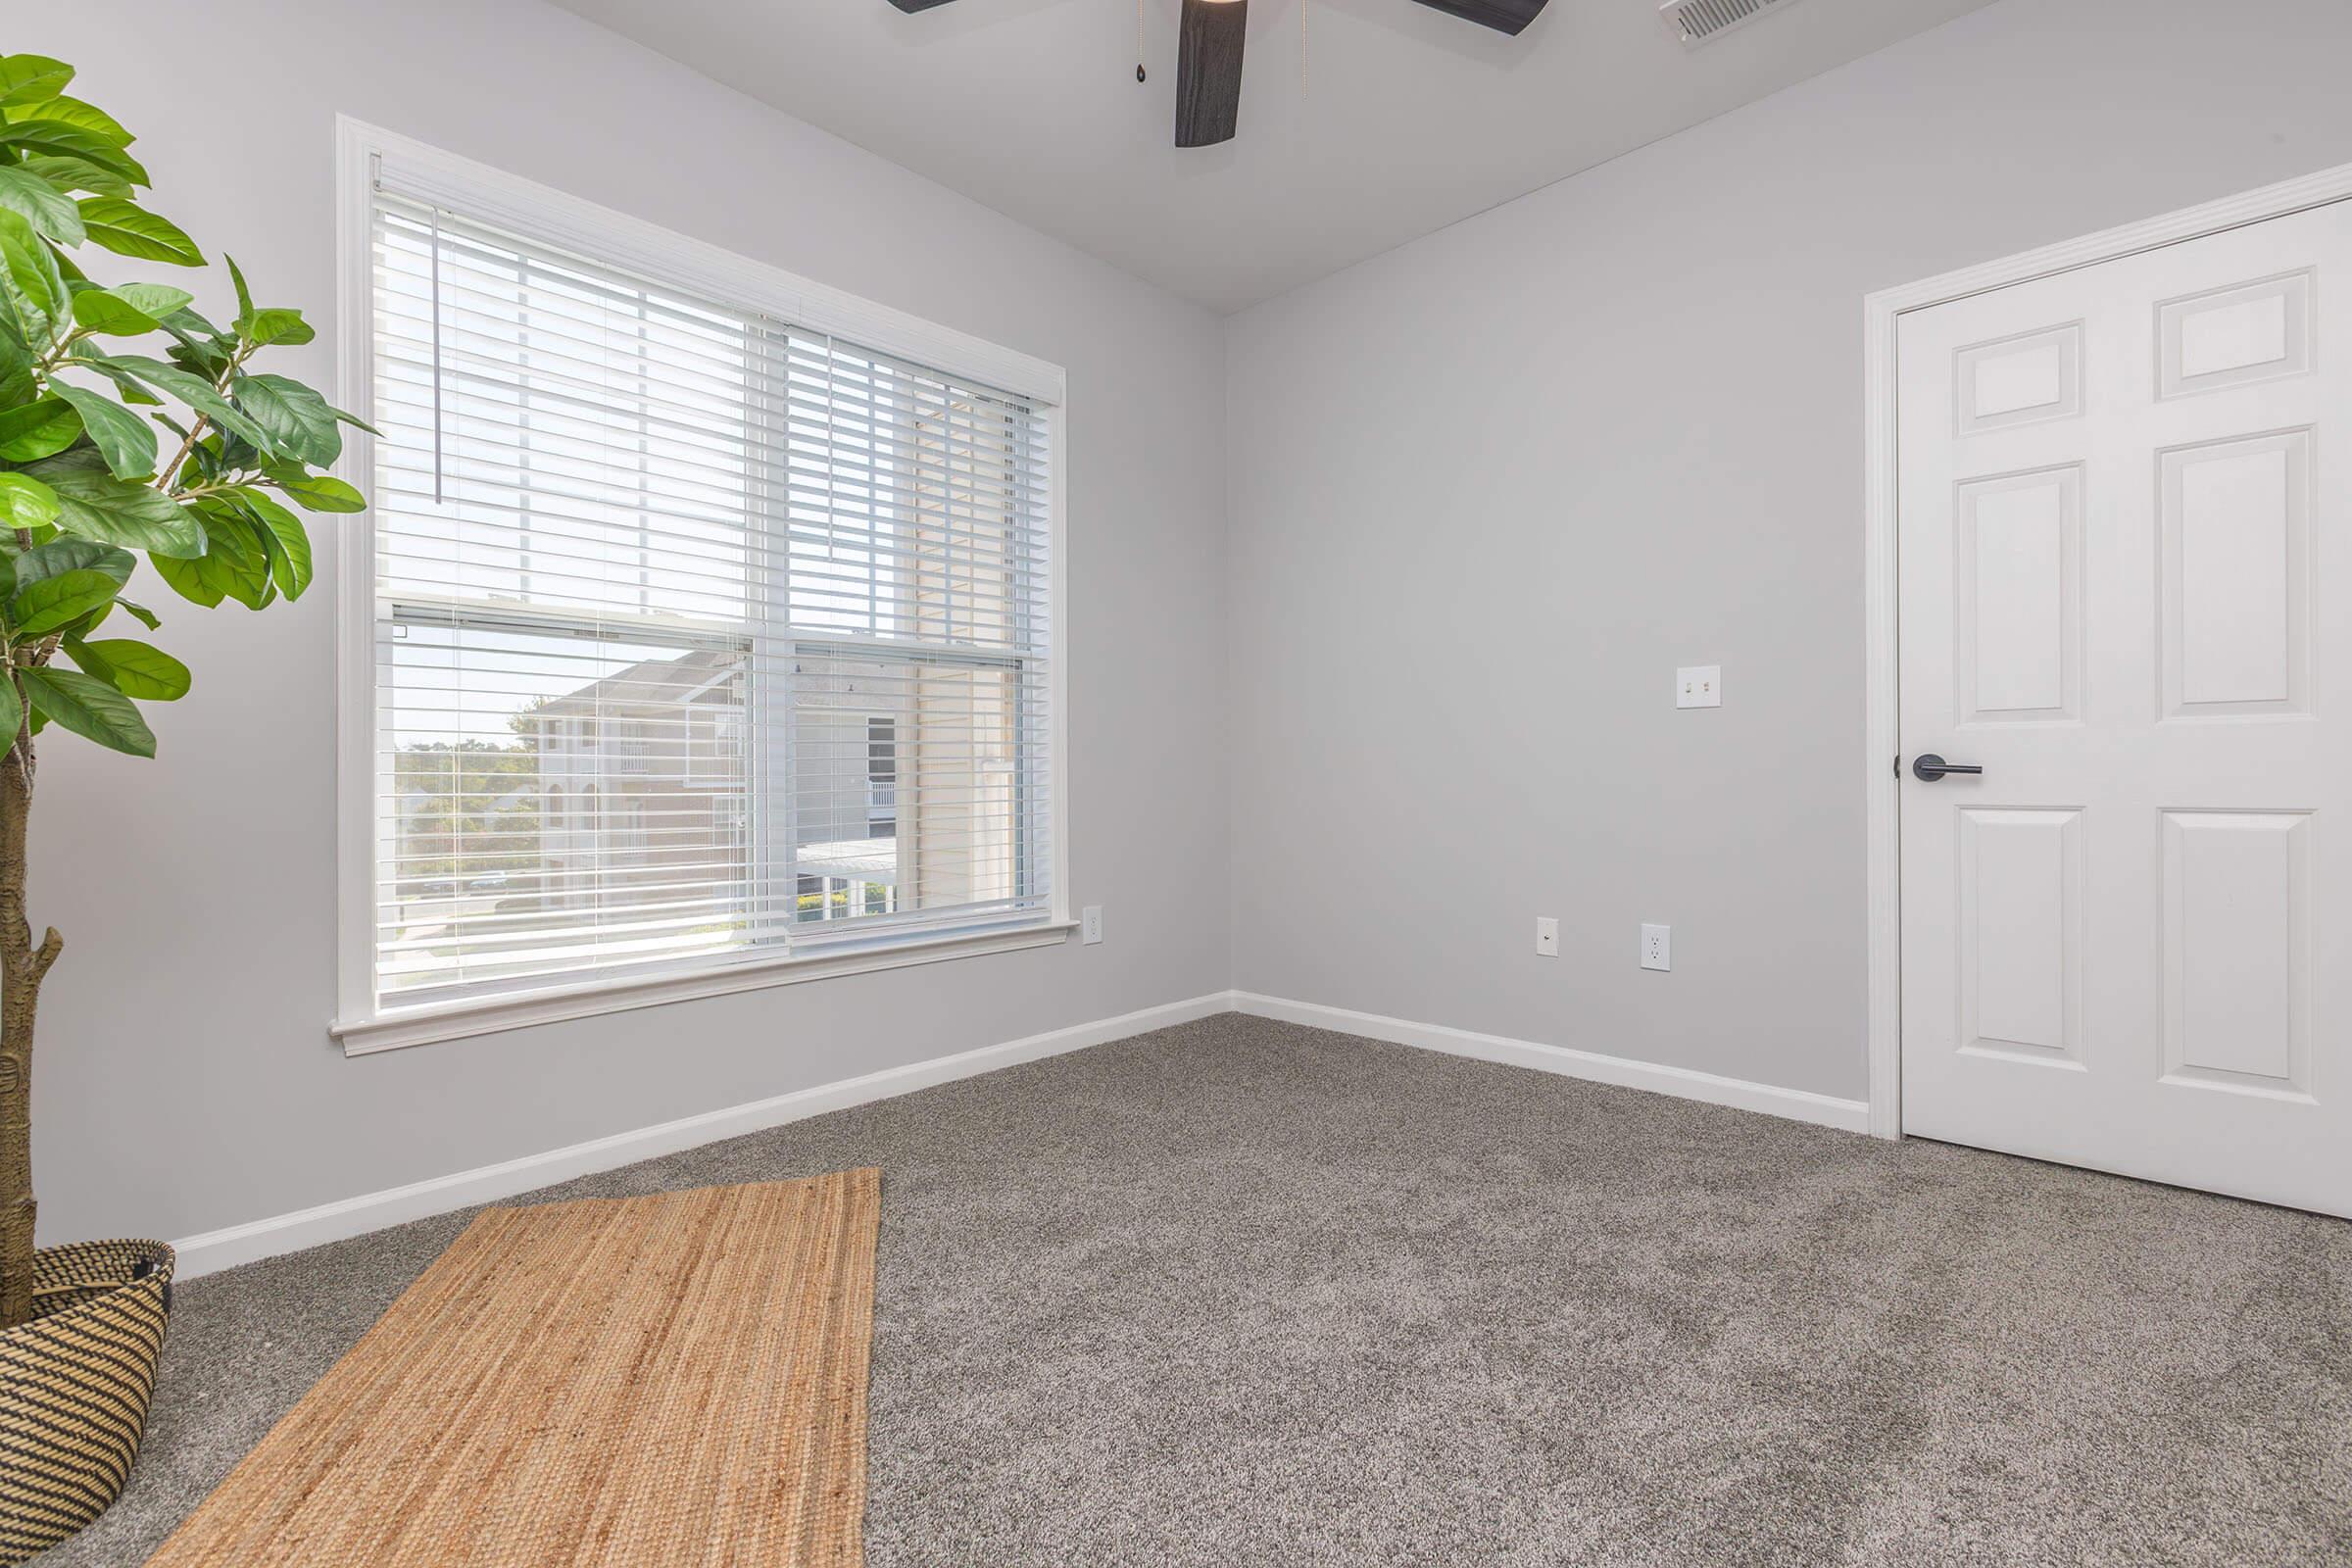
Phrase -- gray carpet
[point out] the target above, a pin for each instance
(1239, 1293)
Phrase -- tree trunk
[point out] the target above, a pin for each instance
(21, 967)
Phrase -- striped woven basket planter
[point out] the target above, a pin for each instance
(75, 1384)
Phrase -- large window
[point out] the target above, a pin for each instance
(701, 638)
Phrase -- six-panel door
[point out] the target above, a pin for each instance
(2124, 593)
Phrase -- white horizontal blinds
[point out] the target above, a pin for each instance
(699, 636)
(918, 577)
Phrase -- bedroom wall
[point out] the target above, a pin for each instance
(185, 1080)
(1491, 489)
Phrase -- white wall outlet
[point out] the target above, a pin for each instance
(1547, 935)
(1657, 946)
(1700, 686)
(1090, 924)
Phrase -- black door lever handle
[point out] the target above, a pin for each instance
(1927, 768)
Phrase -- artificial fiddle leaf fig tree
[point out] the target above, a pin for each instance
(132, 431)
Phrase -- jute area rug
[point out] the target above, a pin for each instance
(677, 1379)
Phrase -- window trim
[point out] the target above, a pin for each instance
(362, 153)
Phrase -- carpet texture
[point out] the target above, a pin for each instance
(1242, 1293)
(677, 1379)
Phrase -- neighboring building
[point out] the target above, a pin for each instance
(641, 779)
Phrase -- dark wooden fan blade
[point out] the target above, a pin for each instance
(1208, 71)
(1504, 15)
(912, 5)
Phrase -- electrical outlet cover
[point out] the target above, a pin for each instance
(1657, 946)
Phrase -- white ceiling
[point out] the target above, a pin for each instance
(1401, 121)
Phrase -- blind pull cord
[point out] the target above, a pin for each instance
(437, 463)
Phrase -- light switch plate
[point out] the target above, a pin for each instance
(1700, 686)
(1090, 925)
(1657, 946)
(1547, 935)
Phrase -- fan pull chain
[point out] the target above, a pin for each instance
(1139, 40)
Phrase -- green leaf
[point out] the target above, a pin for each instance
(158, 300)
(33, 277)
(288, 543)
(126, 441)
(138, 612)
(97, 505)
(73, 112)
(135, 670)
(190, 328)
(265, 327)
(78, 173)
(298, 419)
(132, 230)
(11, 714)
(236, 276)
(237, 554)
(21, 321)
(60, 556)
(25, 502)
(315, 492)
(92, 665)
(233, 564)
(129, 389)
(199, 353)
(192, 581)
(112, 311)
(275, 325)
(64, 139)
(15, 372)
(91, 708)
(192, 323)
(193, 390)
(43, 606)
(47, 209)
(29, 78)
(38, 429)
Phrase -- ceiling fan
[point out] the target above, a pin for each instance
(1208, 55)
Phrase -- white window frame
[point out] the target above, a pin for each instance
(492, 195)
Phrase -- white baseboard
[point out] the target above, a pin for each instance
(353, 1216)
(1798, 1105)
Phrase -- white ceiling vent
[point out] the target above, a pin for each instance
(1696, 22)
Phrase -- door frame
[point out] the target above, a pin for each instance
(1882, 315)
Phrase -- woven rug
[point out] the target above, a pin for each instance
(670, 1379)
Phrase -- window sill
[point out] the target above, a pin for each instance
(423, 1026)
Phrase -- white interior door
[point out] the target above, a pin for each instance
(2126, 523)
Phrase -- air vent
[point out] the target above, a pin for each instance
(1696, 22)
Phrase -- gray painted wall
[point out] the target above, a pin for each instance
(1488, 490)
(185, 1079)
